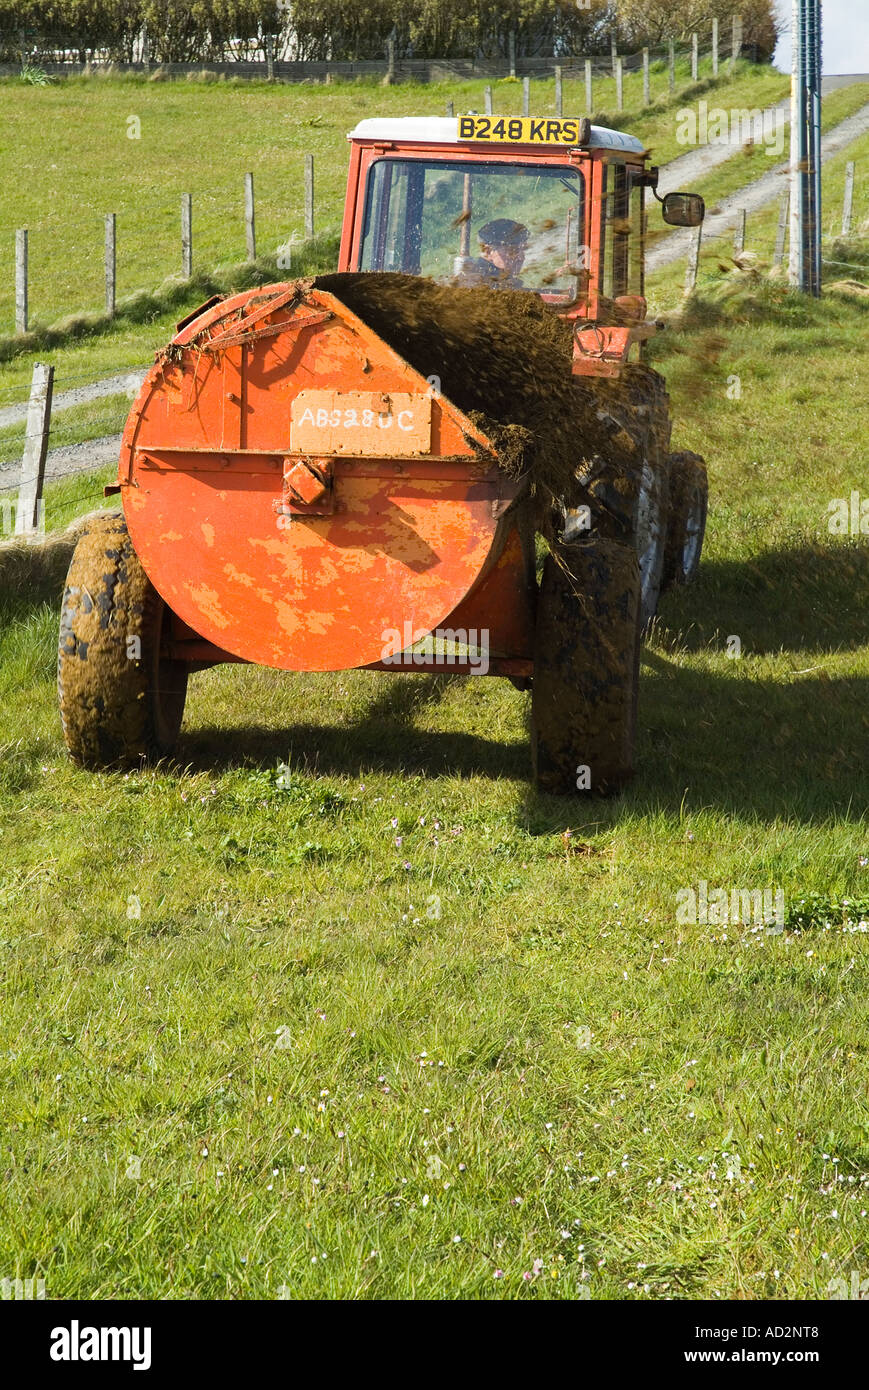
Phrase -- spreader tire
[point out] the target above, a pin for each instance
(120, 701)
(689, 493)
(586, 668)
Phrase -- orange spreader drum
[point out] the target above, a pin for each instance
(296, 492)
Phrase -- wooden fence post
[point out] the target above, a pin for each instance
(511, 40)
(739, 234)
(21, 280)
(526, 96)
(695, 57)
(186, 235)
(647, 89)
(614, 52)
(146, 52)
(715, 48)
(28, 513)
(735, 42)
(782, 229)
(249, 219)
(487, 100)
(390, 61)
(848, 204)
(620, 85)
(451, 110)
(270, 58)
(693, 261)
(309, 196)
(589, 95)
(671, 66)
(558, 94)
(110, 263)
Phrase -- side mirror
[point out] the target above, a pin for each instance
(683, 209)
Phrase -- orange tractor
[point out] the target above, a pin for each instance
(355, 470)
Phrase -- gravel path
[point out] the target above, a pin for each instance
(125, 383)
(72, 458)
(755, 195)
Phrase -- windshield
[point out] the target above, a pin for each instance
(426, 218)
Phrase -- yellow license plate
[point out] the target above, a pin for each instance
(519, 130)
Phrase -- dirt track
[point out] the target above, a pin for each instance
(754, 195)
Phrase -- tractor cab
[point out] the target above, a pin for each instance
(430, 195)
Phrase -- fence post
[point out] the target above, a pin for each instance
(647, 96)
(28, 513)
(249, 221)
(451, 110)
(558, 95)
(21, 280)
(671, 67)
(270, 58)
(739, 234)
(693, 261)
(735, 42)
(715, 48)
(782, 230)
(186, 235)
(526, 96)
(695, 57)
(848, 203)
(390, 61)
(620, 85)
(589, 100)
(614, 52)
(146, 51)
(110, 263)
(309, 196)
(487, 100)
(512, 48)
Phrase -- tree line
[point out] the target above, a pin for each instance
(321, 30)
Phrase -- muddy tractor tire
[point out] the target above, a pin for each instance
(689, 494)
(586, 668)
(121, 702)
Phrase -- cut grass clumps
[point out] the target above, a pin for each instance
(175, 292)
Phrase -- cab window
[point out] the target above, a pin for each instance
(622, 213)
(423, 217)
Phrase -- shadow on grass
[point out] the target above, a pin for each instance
(745, 747)
(812, 597)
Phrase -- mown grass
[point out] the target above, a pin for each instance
(335, 1007)
(202, 138)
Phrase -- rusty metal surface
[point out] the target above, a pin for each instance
(209, 498)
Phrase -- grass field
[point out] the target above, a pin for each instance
(335, 1007)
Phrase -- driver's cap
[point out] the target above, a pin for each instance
(503, 232)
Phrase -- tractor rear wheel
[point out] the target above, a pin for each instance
(121, 701)
(586, 668)
(689, 493)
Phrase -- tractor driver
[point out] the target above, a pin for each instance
(502, 245)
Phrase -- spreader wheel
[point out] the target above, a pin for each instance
(121, 702)
(586, 668)
(689, 493)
